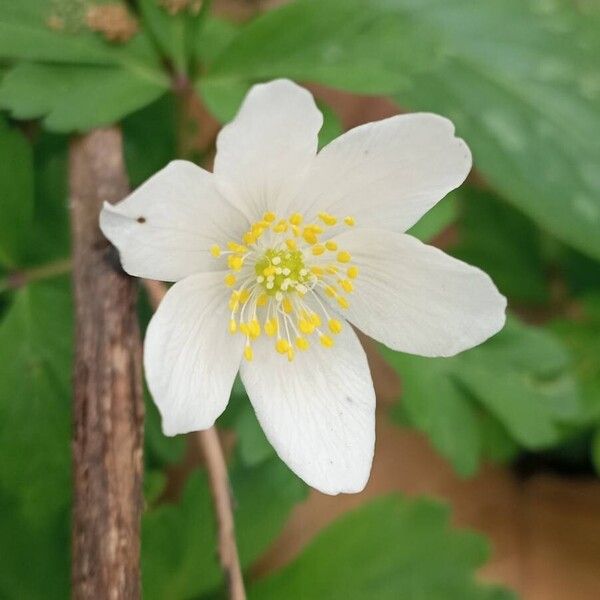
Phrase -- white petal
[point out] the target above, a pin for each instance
(417, 299)
(267, 148)
(318, 411)
(164, 230)
(189, 356)
(386, 174)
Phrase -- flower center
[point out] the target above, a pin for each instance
(278, 271)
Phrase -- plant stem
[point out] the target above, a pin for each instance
(18, 279)
(108, 405)
(216, 467)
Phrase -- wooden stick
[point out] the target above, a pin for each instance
(216, 466)
(108, 407)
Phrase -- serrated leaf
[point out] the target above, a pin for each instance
(73, 97)
(521, 378)
(392, 548)
(81, 81)
(35, 392)
(526, 99)
(16, 194)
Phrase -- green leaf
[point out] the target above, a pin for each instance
(363, 48)
(526, 99)
(596, 450)
(502, 242)
(216, 34)
(74, 97)
(253, 446)
(150, 139)
(160, 450)
(16, 193)
(174, 34)
(35, 555)
(178, 556)
(441, 216)
(391, 548)
(521, 379)
(581, 334)
(84, 81)
(35, 392)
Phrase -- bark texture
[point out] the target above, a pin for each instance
(108, 408)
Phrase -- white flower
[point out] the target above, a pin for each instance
(277, 251)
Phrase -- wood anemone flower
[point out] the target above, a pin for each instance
(277, 251)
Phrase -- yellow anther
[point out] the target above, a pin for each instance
(343, 302)
(234, 300)
(296, 219)
(282, 346)
(330, 291)
(290, 354)
(287, 305)
(315, 319)
(280, 227)
(349, 221)
(335, 326)
(229, 279)
(236, 247)
(269, 217)
(244, 328)
(262, 300)
(327, 219)
(297, 231)
(318, 271)
(306, 326)
(302, 343)
(352, 272)
(346, 285)
(344, 256)
(318, 250)
(254, 328)
(248, 353)
(249, 238)
(235, 262)
(330, 245)
(271, 327)
(326, 340)
(269, 271)
(310, 237)
(244, 295)
(232, 326)
(291, 244)
(215, 250)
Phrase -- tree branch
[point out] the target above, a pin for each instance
(107, 400)
(216, 466)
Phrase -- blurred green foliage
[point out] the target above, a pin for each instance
(521, 81)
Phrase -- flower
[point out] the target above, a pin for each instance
(276, 252)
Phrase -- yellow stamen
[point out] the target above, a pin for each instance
(248, 353)
(271, 327)
(331, 246)
(296, 219)
(229, 279)
(291, 244)
(269, 217)
(318, 250)
(344, 256)
(287, 305)
(352, 272)
(282, 346)
(327, 219)
(346, 285)
(335, 326)
(302, 343)
(349, 221)
(215, 250)
(343, 302)
(232, 326)
(326, 340)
